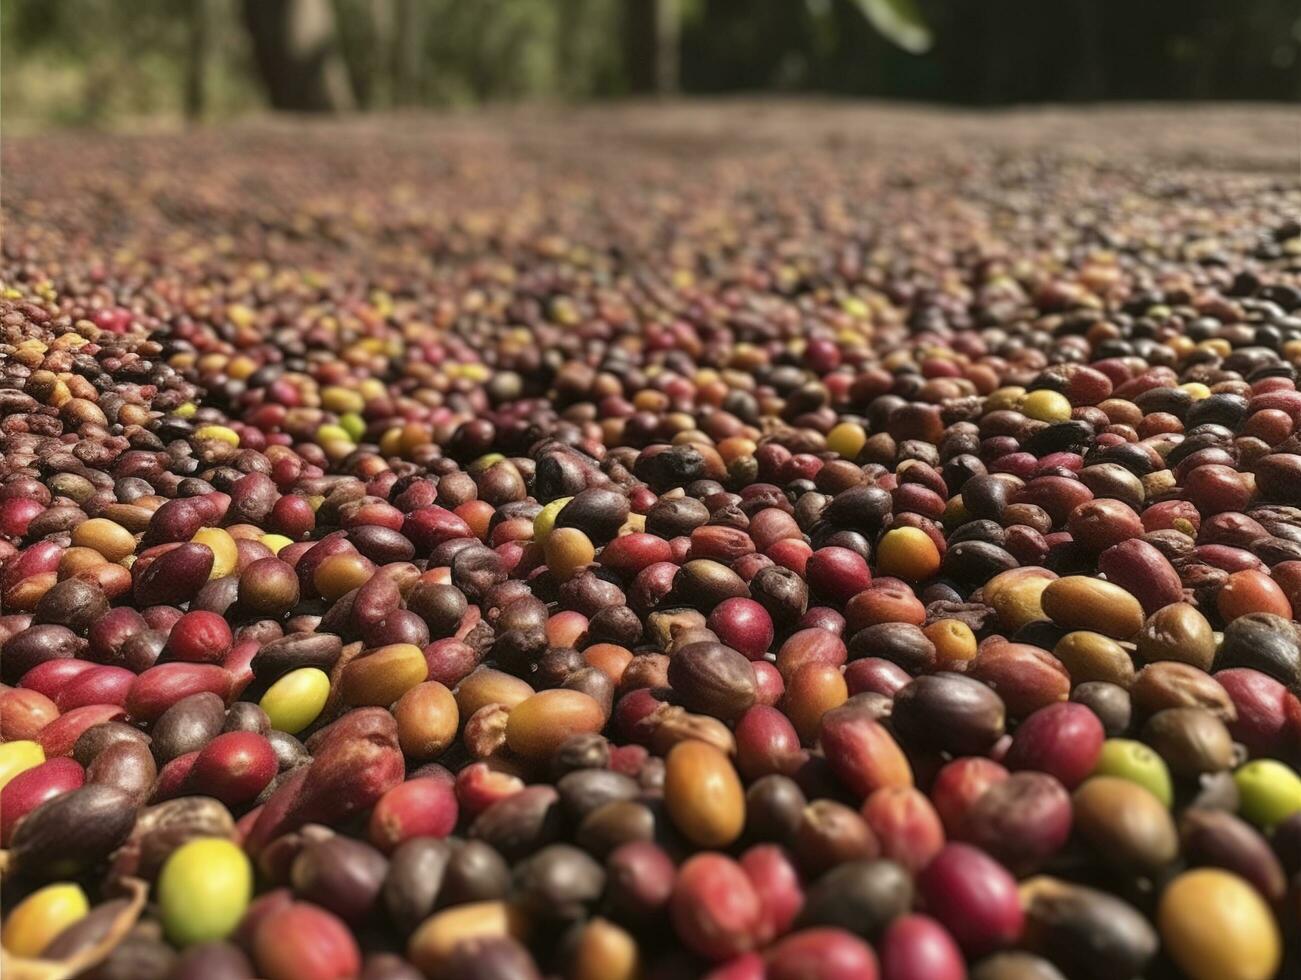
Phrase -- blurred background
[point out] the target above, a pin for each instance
(104, 62)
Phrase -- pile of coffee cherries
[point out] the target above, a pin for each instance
(488, 556)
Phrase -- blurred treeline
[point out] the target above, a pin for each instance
(90, 61)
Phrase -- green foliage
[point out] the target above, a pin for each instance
(900, 21)
(512, 49)
(95, 61)
(486, 50)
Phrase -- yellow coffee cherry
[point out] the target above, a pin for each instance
(275, 542)
(225, 554)
(431, 945)
(954, 641)
(219, 432)
(329, 433)
(19, 756)
(847, 440)
(483, 462)
(908, 553)
(390, 443)
(1217, 927)
(1002, 399)
(110, 539)
(567, 550)
(382, 676)
(855, 307)
(297, 699)
(42, 915)
(546, 519)
(203, 890)
(341, 400)
(1046, 406)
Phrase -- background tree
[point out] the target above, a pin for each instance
(83, 61)
(405, 55)
(650, 37)
(198, 54)
(296, 49)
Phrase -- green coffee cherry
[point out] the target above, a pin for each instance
(1270, 792)
(1136, 762)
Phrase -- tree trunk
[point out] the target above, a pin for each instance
(197, 56)
(651, 46)
(568, 17)
(296, 50)
(365, 32)
(380, 44)
(408, 44)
